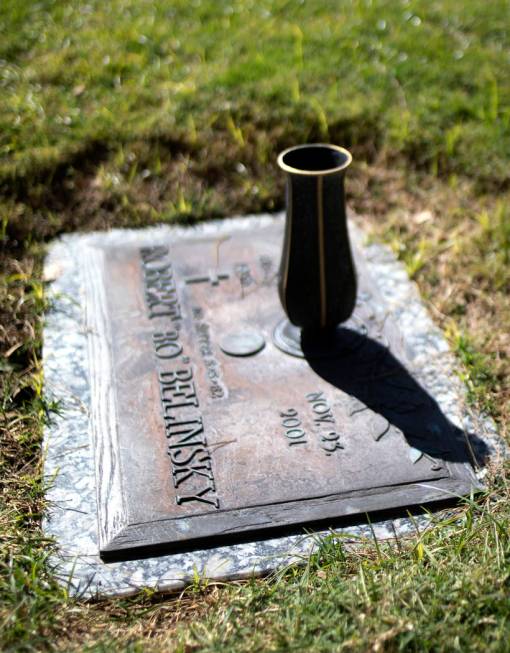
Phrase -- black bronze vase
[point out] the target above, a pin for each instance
(317, 281)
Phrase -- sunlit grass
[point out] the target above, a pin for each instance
(430, 76)
(426, 593)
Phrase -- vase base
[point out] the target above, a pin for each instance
(292, 340)
(287, 337)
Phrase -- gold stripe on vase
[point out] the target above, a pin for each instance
(322, 258)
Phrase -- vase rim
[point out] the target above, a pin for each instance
(321, 172)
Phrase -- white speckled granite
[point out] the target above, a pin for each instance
(69, 465)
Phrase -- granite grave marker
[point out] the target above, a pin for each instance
(201, 440)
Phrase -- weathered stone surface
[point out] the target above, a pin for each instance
(191, 445)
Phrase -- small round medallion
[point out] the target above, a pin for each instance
(242, 343)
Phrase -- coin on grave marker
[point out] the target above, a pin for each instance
(242, 343)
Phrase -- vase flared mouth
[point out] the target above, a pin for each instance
(314, 159)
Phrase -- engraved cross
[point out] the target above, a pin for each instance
(213, 278)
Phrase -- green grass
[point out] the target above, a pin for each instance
(425, 78)
(428, 594)
(139, 112)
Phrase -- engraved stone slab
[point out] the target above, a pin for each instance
(190, 445)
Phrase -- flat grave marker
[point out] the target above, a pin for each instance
(201, 440)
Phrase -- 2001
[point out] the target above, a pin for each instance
(292, 425)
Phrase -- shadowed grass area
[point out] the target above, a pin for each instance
(132, 113)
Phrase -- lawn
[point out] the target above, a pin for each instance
(130, 113)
